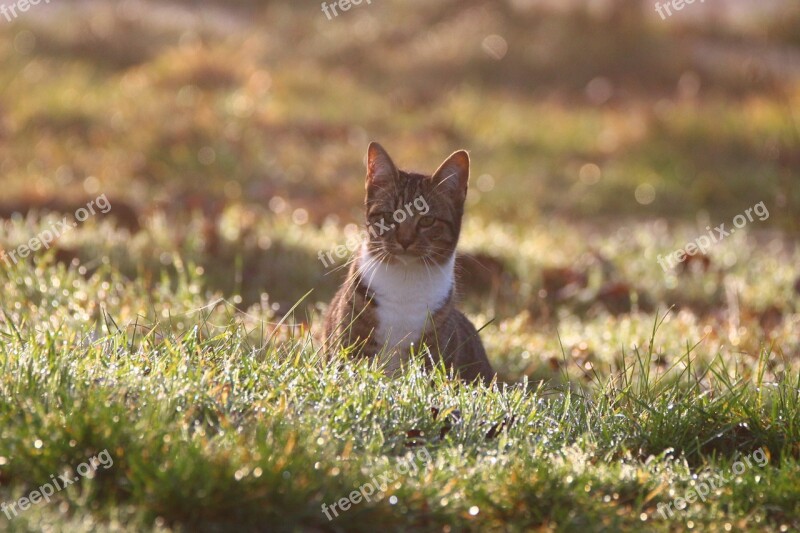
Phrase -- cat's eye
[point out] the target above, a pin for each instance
(426, 222)
(380, 215)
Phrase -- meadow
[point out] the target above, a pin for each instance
(178, 330)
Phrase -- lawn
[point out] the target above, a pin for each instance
(175, 335)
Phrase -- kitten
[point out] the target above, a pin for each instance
(400, 289)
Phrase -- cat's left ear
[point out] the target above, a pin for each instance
(453, 175)
(381, 170)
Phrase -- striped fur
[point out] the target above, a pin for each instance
(400, 290)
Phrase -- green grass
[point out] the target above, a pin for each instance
(219, 416)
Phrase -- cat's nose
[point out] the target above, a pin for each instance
(405, 240)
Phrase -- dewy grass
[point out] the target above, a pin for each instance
(215, 421)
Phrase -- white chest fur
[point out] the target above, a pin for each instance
(407, 296)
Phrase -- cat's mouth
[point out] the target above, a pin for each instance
(404, 257)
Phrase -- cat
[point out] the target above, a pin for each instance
(400, 290)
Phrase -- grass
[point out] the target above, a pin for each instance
(219, 416)
(179, 332)
(211, 427)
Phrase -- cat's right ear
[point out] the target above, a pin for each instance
(381, 171)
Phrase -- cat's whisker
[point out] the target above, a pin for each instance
(344, 265)
(350, 260)
(368, 265)
(427, 267)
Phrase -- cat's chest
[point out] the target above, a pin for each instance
(406, 297)
(402, 321)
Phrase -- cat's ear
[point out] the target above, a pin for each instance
(381, 171)
(453, 175)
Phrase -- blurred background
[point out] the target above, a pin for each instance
(230, 139)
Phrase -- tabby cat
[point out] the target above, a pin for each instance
(400, 290)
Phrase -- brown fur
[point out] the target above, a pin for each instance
(422, 241)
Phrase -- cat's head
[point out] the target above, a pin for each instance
(414, 218)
